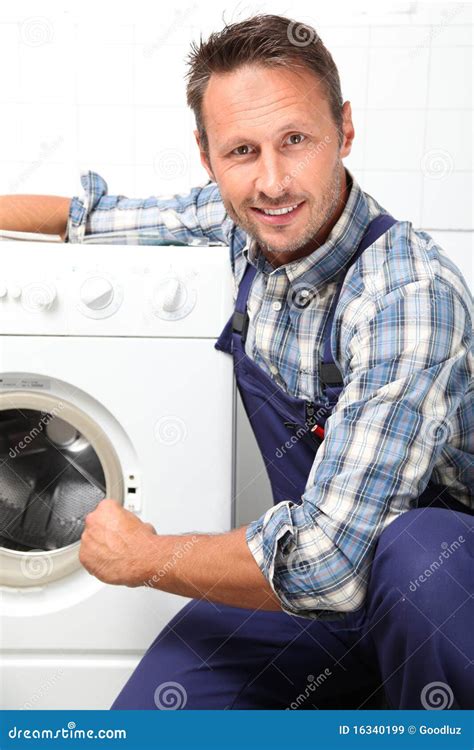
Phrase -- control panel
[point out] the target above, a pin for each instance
(63, 289)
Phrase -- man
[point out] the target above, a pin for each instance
(332, 596)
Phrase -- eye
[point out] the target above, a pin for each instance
(296, 135)
(237, 149)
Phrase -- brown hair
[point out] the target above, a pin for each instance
(268, 40)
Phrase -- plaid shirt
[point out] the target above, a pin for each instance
(403, 340)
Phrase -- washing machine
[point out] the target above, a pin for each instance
(110, 386)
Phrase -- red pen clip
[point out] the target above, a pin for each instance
(318, 430)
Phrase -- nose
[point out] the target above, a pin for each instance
(271, 178)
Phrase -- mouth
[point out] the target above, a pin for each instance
(278, 216)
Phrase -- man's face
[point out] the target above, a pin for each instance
(273, 144)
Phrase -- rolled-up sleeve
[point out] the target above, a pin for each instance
(407, 365)
(178, 218)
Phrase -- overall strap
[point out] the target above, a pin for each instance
(330, 374)
(240, 318)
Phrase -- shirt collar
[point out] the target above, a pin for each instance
(328, 259)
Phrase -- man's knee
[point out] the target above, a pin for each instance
(417, 546)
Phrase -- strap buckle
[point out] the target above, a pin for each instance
(330, 374)
(240, 323)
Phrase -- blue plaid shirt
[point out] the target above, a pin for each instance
(403, 340)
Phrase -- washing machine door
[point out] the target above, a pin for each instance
(56, 465)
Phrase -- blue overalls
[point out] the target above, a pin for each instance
(402, 647)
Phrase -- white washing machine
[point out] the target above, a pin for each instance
(110, 386)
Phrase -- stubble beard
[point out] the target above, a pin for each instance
(320, 214)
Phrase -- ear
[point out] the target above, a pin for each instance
(347, 130)
(203, 156)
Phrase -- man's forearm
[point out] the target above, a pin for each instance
(218, 567)
(46, 214)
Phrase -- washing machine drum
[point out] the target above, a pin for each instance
(50, 479)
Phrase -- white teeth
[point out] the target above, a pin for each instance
(279, 211)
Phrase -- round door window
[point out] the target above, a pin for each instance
(50, 479)
(54, 470)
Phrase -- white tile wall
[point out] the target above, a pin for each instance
(91, 88)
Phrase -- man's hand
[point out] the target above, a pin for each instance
(115, 545)
(118, 548)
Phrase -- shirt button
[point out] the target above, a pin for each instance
(304, 293)
(273, 369)
(276, 306)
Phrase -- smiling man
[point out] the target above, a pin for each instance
(262, 125)
(352, 347)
